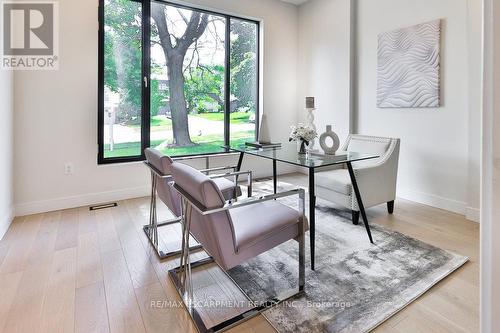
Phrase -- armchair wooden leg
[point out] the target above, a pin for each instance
(390, 207)
(355, 217)
(302, 258)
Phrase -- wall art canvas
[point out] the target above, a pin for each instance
(409, 67)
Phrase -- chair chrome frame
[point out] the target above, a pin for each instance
(151, 229)
(181, 276)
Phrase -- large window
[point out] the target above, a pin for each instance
(179, 79)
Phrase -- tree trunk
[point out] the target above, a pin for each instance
(217, 99)
(235, 104)
(178, 108)
(175, 60)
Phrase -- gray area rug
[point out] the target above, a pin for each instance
(356, 285)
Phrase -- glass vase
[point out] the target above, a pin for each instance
(302, 147)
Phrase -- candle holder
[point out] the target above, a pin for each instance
(310, 122)
(310, 108)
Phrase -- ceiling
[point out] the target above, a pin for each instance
(295, 2)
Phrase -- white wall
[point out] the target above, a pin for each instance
(440, 153)
(475, 54)
(324, 62)
(307, 51)
(56, 112)
(6, 150)
(439, 148)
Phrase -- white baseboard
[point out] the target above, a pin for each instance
(451, 205)
(43, 206)
(459, 207)
(473, 214)
(5, 221)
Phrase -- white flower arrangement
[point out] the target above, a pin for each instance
(303, 133)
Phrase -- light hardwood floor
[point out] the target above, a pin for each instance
(76, 270)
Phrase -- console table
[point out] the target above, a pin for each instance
(288, 154)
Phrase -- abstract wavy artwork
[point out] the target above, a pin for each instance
(408, 67)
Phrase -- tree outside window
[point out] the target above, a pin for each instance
(189, 61)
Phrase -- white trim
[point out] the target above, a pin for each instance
(6, 221)
(488, 268)
(43, 206)
(451, 205)
(436, 201)
(473, 214)
(87, 199)
(353, 66)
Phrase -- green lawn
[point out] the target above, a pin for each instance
(158, 123)
(163, 123)
(236, 117)
(205, 145)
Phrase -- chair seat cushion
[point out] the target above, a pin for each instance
(227, 188)
(335, 180)
(255, 223)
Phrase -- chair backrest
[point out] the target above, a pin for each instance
(384, 147)
(213, 231)
(166, 192)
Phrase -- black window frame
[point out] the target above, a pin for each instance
(146, 74)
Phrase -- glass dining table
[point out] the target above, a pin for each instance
(313, 162)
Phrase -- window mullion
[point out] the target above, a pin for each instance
(137, 93)
(227, 84)
(146, 74)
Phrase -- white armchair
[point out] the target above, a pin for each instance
(376, 178)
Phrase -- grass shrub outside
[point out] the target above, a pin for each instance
(206, 144)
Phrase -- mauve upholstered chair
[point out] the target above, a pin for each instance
(232, 233)
(160, 166)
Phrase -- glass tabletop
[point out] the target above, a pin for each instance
(287, 153)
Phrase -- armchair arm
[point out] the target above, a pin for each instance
(391, 153)
(229, 174)
(207, 171)
(244, 202)
(377, 182)
(368, 169)
(157, 172)
(254, 200)
(388, 161)
(235, 174)
(161, 175)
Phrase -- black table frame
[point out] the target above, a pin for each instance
(312, 200)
